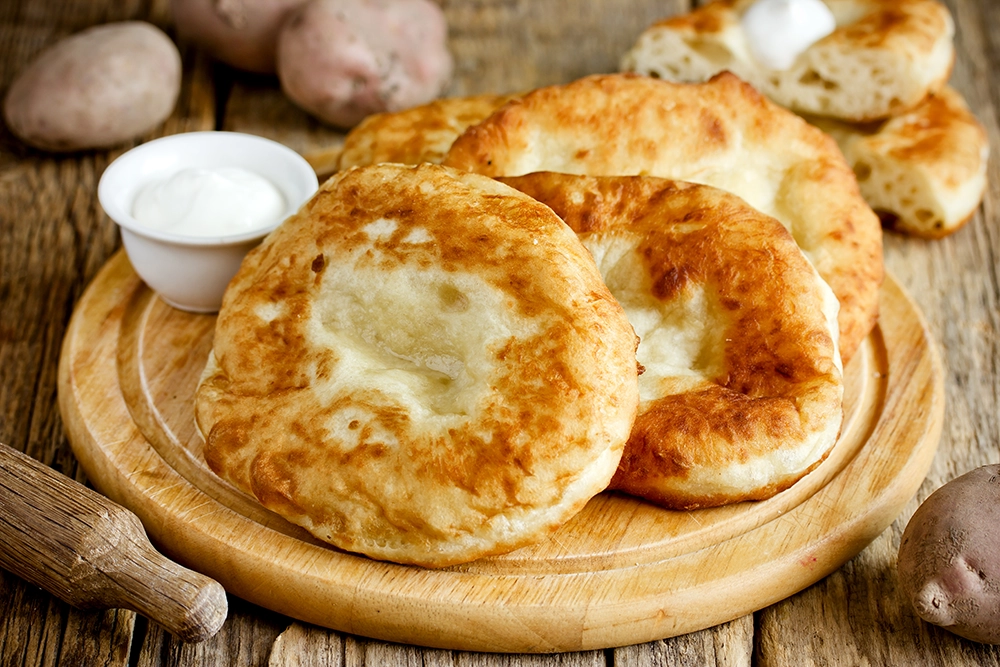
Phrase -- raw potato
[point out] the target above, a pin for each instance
(98, 88)
(241, 33)
(949, 558)
(343, 60)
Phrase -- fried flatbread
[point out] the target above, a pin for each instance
(420, 134)
(742, 389)
(721, 133)
(924, 171)
(423, 366)
(884, 57)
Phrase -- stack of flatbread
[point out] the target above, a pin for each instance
(877, 84)
(499, 307)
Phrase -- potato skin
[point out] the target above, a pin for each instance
(241, 33)
(343, 60)
(95, 89)
(949, 557)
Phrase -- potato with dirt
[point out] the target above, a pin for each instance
(98, 88)
(343, 60)
(240, 33)
(949, 557)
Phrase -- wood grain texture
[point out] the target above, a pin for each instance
(619, 573)
(54, 239)
(726, 645)
(245, 639)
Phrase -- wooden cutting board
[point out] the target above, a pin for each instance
(621, 572)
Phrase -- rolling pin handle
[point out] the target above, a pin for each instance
(94, 554)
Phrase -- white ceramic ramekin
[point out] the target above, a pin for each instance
(192, 272)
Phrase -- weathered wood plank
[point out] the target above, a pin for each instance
(857, 617)
(244, 640)
(36, 629)
(727, 645)
(302, 645)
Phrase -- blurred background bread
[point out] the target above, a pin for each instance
(923, 171)
(877, 84)
(884, 56)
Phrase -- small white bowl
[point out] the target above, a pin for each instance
(192, 272)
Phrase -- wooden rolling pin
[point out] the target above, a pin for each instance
(94, 554)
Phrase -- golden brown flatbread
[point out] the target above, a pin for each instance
(423, 366)
(923, 171)
(742, 389)
(884, 57)
(721, 133)
(420, 134)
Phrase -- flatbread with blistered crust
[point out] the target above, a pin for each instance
(421, 365)
(884, 57)
(741, 390)
(721, 133)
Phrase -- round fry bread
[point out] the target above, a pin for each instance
(721, 133)
(741, 391)
(423, 366)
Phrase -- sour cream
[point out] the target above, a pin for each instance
(209, 202)
(778, 31)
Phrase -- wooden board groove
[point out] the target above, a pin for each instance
(621, 572)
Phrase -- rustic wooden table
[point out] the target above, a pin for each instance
(54, 238)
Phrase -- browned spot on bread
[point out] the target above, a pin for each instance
(894, 23)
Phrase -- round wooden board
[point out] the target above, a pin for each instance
(621, 572)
